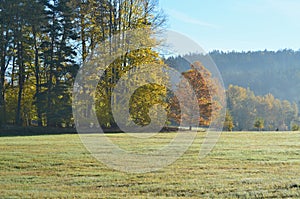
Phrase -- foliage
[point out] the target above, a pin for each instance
(245, 108)
(203, 88)
(134, 70)
(249, 69)
(264, 72)
(228, 123)
(295, 127)
(259, 123)
(44, 42)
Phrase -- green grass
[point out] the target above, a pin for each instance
(242, 165)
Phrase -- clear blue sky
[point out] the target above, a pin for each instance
(239, 25)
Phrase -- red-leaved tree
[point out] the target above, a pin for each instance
(204, 88)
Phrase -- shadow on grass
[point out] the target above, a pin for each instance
(34, 131)
(11, 131)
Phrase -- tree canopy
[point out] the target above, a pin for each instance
(44, 42)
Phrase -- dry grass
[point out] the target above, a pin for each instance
(242, 165)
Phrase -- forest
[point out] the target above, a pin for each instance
(275, 72)
(261, 86)
(43, 43)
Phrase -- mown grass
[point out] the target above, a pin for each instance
(242, 165)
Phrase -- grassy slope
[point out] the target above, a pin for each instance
(241, 165)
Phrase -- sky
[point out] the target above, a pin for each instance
(239, 25)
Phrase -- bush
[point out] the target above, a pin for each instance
(295, 127)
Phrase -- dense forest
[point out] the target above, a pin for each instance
(43, 43)
(261, 86)
(263, 72)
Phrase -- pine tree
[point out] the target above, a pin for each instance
(59, 62)
(6, 50)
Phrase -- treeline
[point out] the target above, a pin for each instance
(262, 71)
(254, 106)
(43, 43)
(246, 111)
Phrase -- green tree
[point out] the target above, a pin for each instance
(295, 127)
(228, 124)
(241, 103)
(58, 57)
(6, 49)
(37, 22)
(259, 123)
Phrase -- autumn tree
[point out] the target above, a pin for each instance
(42, 43)
(228, 123)
(241, 103)
(125, 16)
(259, 123)
(133, 70)
(204, 87)
(245, 107)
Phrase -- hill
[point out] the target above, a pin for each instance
(263, 72)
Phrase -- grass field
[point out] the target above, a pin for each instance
(242, 165)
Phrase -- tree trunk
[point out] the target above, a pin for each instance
(37, 78)
(2, 102)
(2, 78)
(21, 83)
(82, 33)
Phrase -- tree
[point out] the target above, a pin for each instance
(125, 16)
(228, 124)
(58, 57)
(295, 127)
(259, 123)
(144, 98)
(204, 88)
(37, 22)
(6, 51)
(241, 103)
(42, 43)
(246, 107)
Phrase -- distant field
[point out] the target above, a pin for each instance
(242, 165)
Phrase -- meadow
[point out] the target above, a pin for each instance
(242, 165)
